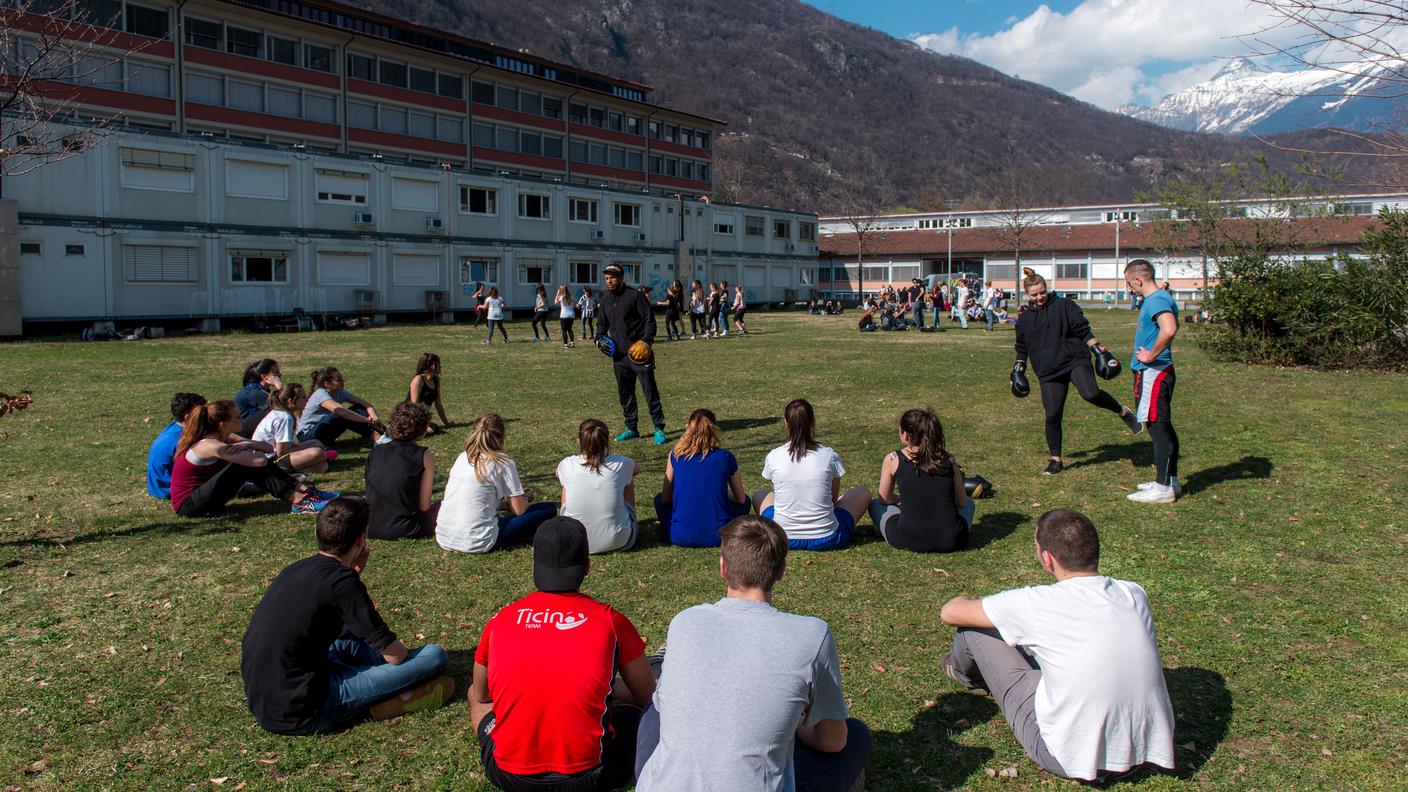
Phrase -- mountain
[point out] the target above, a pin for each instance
(1246, 97)
(824, 114)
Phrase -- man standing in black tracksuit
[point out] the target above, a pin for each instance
(625, 315)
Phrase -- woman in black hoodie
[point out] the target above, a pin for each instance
(1054, 334)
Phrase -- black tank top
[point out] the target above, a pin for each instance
(393, 489)
(928, 521)
(429, 391)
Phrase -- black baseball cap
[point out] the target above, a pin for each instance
(613, 269)
(560, 555)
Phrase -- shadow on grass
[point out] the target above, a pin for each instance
(1138, 454)
(735, 424)
(927, 751)
(196, 527)
(988, 528)
(1248, 467)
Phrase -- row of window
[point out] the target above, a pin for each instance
(684, 136)
(946, 222)
(781, 229)
(610, 156)
(520, 100)
(130, 74)
(401, 121)
(604, 118)
(258, 97)
(522, 141)
(682, 168)
(400, 74)
(115, 14)
(237, 40)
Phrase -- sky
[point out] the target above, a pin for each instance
(1106, 52)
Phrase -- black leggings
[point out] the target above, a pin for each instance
(499, 323)
(334, 427)
(1053, 398)
(673, 328)
(540, 317)
(588, 327)
(567, 336)
(697, 323)
(210, 498)
(1165, 450)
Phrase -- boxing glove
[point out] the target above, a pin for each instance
(1105, 364)
(1020, 387)
(607, 346)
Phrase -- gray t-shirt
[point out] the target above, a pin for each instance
(313, 412)
(738, 679)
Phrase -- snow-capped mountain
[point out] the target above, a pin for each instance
(1247, 97)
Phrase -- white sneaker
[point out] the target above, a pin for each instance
(383, 440)
(1154, 494)
(1173, 482)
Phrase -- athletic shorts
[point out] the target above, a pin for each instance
(841, 537)
(739, 314)
(1153, 390)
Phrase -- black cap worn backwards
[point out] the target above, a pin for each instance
(560, 555)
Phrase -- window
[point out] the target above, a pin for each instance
(392, 73)
(450, 130)
(616, 157)
(483, 135)
(450, 85)
(317, 58)
(361, 67)
(205, 89)
(393, 120)
(506, 97)
(614, 121)
(251, 179)
(258, 267)
(159, 264)
(552, 146)
(635, 160)
(282, 50)
(530, 143)
(506, 139)
(628, 215)
(781, 229)
(806, 232)
(631, 271)
(632, 125)
(702, 139)
(529, 102)
(152, 79)
(239, 41)
(75, 250)
(552, 107)
(1070, 269)
(579, 151)
(320, 107)
(102, 13)
(581, 272)
(31, 249)
(242, 95)
(421, 125)
(479, 200)
(596, 117)
(415, 195)
(535, 271)
(482, 92)
(479, 270)
(152, 169)
(582, 210)
(361, 115)
(723, 228)
(99, 72)
(150, 22)
(422, 80)
(200, 33)
(341, 187)
(534, 207)
(286, 103)
(596, 154)
(753, 226)
(578, 113)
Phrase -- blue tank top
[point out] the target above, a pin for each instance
(700, 500)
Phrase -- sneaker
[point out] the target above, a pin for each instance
(1155, 494)
(629, 434)
(659, 436)
(248, 490)
(1132, 421)
(1053, 467)
(383, 440)
(433, 694)
(321, 495)
(691, 337)
(307, 506)
(952, 673)
(656, 661)
(1173, 482)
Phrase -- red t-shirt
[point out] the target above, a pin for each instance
(551, 659)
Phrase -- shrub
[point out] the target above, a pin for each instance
(1344, 312)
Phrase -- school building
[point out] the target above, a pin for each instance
(276, 157)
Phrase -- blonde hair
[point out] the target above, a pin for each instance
(1032, 278)
(701, 435)
(485, 446)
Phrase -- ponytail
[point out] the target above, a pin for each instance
(926, 434)
(1032, 278)
(284, 398)
(485, 445)
(801, 426)
(593, 442)
(205, 420)
(255, 371)
(323, 375)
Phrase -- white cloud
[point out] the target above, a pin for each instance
(1110, 51)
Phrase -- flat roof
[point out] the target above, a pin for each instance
(1130, 205)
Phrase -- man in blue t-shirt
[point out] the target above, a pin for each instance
(1152, 365)
(163, 451)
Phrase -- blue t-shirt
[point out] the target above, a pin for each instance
(314, 413)
(251, 399)
(700, 505)
(1146, 331)
(159, 461)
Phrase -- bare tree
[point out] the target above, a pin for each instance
(49, 53)
(1013, 201)
(862, 208)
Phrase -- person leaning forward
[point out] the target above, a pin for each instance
(626, 317)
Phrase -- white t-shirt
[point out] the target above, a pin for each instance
(276, 427)
(989, 296)
(1101, 703)
(496, 307)
(802, 504)
(469, 513)
(597, 499)
(567, 311)
(962, 296)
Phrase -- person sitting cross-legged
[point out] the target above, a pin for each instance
(317, 655)
(749, 696)
(548, 708)
(1074, 665)
(703, 489)
(162, 454)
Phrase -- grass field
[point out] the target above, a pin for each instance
(1277, 582)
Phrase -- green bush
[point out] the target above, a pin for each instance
(1344, 312)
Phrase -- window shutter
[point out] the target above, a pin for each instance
(159, 263)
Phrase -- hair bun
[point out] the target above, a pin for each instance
(1028, 271)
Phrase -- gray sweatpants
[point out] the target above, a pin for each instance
(982, 659)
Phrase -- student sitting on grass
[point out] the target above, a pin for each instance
(486, 506)
(1073, 665)
(932, 513)
(400, 478)
(750, 697)
(317, 655)
(261, 378)
(163, 451)
(277, 431)
(425, 389)
(599, 489)
(325, 419)
(806, 476)
(703, 489)
(545, 676)
(212, 464)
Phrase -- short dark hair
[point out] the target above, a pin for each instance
(408, 421)
(754, 549)
(1070, 537)
(341, 523)
(1140, 267)
(183, 403)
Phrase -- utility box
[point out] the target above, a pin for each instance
(10, 323)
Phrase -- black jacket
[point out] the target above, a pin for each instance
(627, 317)
(1053, 337)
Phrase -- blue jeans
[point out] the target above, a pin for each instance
(991, 317)
(521, 527)
(723, 319)
(360, 677)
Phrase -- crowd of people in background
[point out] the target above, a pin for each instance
(890, 309)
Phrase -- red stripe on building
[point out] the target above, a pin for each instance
(245, 118)
(492, 156)
(675, 181)
(585, 169)
(407, 142)
(104, 97)
(89, 33)
(675, 148)
(404, 95)
(263, 68)
(607, 135)
(515, 117)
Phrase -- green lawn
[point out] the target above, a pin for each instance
(1277, 582)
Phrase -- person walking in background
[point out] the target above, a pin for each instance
(674, 308)
(960, 303)
(724, 299)
(587, 305)
(479, 307)
(495, 312)
(566, 317)
(540, 313)
(740, 308)
(990, 305)
(697, 308)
